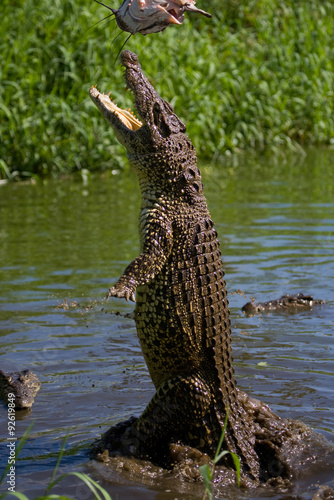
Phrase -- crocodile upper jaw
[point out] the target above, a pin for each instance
(157, 119)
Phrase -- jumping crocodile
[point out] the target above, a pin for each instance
(296, 302)
(182, 313)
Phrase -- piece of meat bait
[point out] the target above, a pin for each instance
(152, 16)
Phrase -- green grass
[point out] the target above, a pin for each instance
(259, 75)
(97, 490)
(207, 472)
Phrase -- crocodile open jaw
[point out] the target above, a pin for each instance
(107, 106)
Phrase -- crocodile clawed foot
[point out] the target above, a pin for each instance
(125, 293)
(112, 439)
(130, 443)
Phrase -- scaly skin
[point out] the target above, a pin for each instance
(22, 386)
(182, 314)
(290, 303)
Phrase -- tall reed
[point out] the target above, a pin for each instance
(259, 75)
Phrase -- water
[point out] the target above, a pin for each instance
(70, 241)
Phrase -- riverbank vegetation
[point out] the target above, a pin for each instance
(258, 76)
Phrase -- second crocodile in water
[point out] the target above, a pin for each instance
(287, 303)
(182, 314)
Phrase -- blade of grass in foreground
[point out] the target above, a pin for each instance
(97, 490)
(22, 496)
(52, 481)
(207, 473)
(17, 450)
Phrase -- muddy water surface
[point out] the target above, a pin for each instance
(62, 244)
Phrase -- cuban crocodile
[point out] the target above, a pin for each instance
(182, 313)
(19, 387)
(289, 303)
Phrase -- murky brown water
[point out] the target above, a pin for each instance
(67, 240)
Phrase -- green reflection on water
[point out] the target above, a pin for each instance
(66, 229)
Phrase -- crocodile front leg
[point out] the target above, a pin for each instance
(158, 240)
